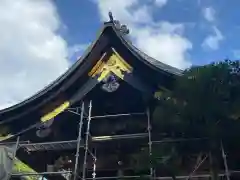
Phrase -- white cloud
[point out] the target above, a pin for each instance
(75, 51)
(162, 40)
(160, 3)
(121, 10)
(209, 14)
(236, 54)
(213, 40)
(31, 53)
(167, 47)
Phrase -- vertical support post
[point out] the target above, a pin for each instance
(150, 141)
(86, 143)
(78, 141)
(225, 162)
(94, 165)
(14, 155)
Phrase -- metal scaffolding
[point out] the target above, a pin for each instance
(87, 139)
(149, 128)
(224, 156)
(105, 138)
(78, 143)
(63, 145)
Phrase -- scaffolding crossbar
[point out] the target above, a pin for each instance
(118, 137)
(118, 177)
(41, 173)
(48, 146)
(178, 140)
(165, 177)
(117, 115)
(13, 143)
(72, 144)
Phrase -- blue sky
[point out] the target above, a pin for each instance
(40, 39)
(202, 19)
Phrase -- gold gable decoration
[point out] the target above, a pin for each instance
(115, 64)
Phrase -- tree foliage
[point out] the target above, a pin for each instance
(205, 96)
(205, 102)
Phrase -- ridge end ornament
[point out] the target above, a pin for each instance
(111, 19)
(122, 28)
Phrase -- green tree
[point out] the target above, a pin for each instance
(204, 100)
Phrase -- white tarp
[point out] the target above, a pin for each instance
(6, 161)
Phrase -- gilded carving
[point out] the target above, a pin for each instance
(115, 64)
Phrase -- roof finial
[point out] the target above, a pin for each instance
(120, 27)
(110, 16)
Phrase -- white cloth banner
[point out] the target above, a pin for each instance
(6, 161)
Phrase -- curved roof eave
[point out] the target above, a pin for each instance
(58, 80)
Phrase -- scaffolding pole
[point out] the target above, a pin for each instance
(197, 166)
(225, 162)
(86, 143)
(78, 142)
(75, 111)
(150, 142)
(94, 164)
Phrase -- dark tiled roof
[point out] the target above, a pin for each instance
(159, 65)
